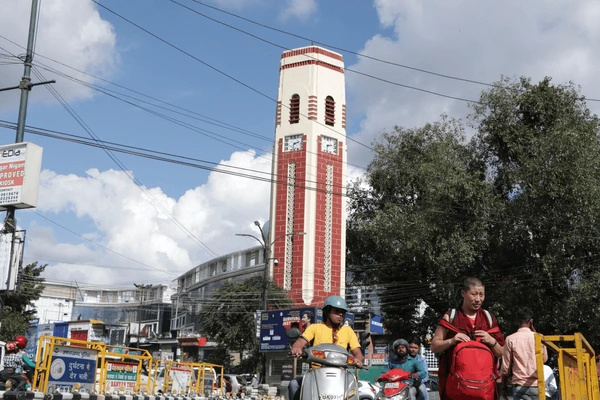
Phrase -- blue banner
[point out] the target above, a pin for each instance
(71, 365)
(375, 324)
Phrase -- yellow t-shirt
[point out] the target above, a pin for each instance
(321, 333)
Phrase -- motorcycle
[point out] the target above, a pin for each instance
(8, 379)
(332, 381)
(392, 385)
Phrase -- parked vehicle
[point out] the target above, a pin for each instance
(393, 387)
(234, 383)
(367, 391)
(333, 380)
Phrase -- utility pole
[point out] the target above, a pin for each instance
(10, 221)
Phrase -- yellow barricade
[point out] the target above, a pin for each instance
(576, 366)
(193, 379)
(75, 365)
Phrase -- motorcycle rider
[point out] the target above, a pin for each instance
(330, 331)
(409, 364)
(14, 362)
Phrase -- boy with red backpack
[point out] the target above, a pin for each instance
(469, 341)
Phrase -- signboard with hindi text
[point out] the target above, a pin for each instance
(20, 165)
(120, 376)
(73, 365)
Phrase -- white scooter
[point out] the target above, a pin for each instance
(333, 381)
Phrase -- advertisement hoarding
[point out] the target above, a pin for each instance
(274, 323)
(20, 166)
(376, 325)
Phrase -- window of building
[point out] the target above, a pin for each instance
(295, 109)
(329, 111)
(213, 270)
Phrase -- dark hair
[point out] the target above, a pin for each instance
(524, 315)
(295, 325)
(414, 340)
(310, 315)
(471, 281)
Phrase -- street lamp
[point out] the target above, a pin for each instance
(267, 252)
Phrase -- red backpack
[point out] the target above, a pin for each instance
(472, 369)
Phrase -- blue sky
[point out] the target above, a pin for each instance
(133, 240)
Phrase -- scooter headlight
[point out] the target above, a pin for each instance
(333, 357)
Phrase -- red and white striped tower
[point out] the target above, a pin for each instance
(310, 165)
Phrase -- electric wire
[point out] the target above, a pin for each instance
(344, 50)
(345, 68)
(219, 71)
(136, 181)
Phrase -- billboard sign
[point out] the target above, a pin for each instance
(274, 323)
(20, 166)
(375, 324)
(73, 365)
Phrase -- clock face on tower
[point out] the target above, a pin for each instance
(329, 145)
(292, 142)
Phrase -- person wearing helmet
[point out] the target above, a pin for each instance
(15, 361)
(21, 342)
(331, 330)
(409, 364)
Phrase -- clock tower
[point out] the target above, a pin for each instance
(308, 204)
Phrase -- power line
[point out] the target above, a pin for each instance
(309, 40)
(99, 245)
(345, 68)
(218, 70)
(136, 181)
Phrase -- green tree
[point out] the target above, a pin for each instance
(416, 228)
(517, 206)
(541, 150)
(229, 318)
(18, 308)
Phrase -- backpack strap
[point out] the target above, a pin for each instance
(489, 318)
(454, 329)
(452, 315)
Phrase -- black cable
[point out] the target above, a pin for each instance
(309, 40)
(218, 70)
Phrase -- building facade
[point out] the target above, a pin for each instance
(308, 193)
(135, 316)
(196, 287)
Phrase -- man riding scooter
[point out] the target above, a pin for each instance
(330, 331)
(409, 364)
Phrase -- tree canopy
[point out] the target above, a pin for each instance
(517, 205)
(18, 308)
(229, 318)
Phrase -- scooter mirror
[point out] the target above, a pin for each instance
(292, 334)
(365, 340)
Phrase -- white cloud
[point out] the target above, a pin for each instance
(236, 4)
(300, 9)
(70, 32)
(469, 39)
(143, 240)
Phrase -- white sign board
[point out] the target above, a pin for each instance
(20, 165)
(180, 378)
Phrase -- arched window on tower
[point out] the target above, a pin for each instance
(295, 109)
(329, 111)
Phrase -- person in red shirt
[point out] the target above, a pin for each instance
(473, 322)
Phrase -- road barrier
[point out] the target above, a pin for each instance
(576, 366)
